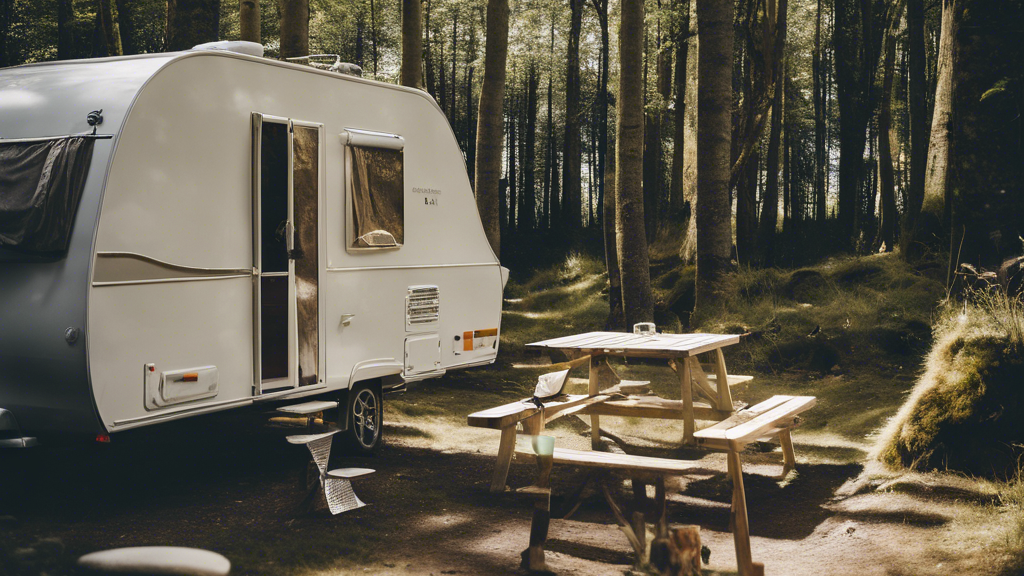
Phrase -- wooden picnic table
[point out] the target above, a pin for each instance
(680, 350)
(609, 395)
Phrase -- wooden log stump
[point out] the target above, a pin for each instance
(678, 554)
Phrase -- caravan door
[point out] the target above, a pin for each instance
(286, 253)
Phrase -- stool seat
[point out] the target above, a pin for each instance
(152, 560)
(349, 473)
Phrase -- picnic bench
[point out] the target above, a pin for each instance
(736, 427)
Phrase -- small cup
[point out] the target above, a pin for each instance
(544, 445)
(644, 328)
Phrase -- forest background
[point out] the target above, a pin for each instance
(853, 125)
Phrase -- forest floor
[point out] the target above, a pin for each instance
(230, 483)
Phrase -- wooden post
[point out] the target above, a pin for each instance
(788, 455)
(596, 385)
(661, 527)
(533, 557)
(738, 518)
(724, 394)
(686, 390)
(505, 450)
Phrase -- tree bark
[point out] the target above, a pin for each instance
(126, 26)
(248, 20)
(530, 150)
(294, 28)
(65, 35)
(571, 185)
(820, 160)
(616, 319)
(412, 44)
(714, 230)
(489, 121)
(630, 239)
(676, 195)
(918, 117)
(688, 250)
(856, 54)
(191, 22)
(931, 224)
(601, 6)
(428, 62)
(111, 35)
(770, 203)
(886, 171)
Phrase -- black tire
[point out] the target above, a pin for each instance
(365, 419)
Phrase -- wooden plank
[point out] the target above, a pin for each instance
(703, 384)
(787, 410)
(566, 408)
(596, 382)
(660, 345)
(509, 414)
(654, 407)
(506, 447)
(687, 396)
(735, 380)
(724, 395)
(747, 426)
(738, 517)
(612, 461)
(788, 455)
(719, 430)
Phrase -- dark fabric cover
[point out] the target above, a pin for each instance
(40, 186)
(378, 189)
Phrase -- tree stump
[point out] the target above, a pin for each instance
(679, 553)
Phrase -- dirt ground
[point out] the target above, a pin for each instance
(230, 483)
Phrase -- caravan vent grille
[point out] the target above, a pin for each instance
(422, 306)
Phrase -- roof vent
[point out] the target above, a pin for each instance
(238, 47)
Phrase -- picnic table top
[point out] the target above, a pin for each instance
(666, 345)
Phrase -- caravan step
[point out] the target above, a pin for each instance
(309, 407)
(349, 473)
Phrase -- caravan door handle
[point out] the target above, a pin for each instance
(346, 319)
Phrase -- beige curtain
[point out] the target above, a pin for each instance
(378, 197)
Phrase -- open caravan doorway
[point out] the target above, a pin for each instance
(286, 253)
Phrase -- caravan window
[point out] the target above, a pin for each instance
(376, 207)
(41, 183)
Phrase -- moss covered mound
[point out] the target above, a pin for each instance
(966, 412)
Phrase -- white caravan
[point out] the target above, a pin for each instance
(198, 231)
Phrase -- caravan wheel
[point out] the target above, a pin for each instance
(365, 419)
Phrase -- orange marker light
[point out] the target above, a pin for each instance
(467, 341)
(190, 377)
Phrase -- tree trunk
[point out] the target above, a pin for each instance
(918, 117)
(931, 223)
(714, 230)
(886, 171)
(601, 6)
(820, 160)
(111, 35)
(65, 36)
(676, 194)
(428, 61)
(571, 185)
(616, 320)
(412, 44)
(511, 172)
(373, 31)
(455, 58)
(755, 80)
(295, 28)
(770, 203)
(470, 127)
(126, 26)
(856, 53)
(688, 251)
(530, 151)
(191, 22)
(630, 239)
(248, 20)
(489, 121)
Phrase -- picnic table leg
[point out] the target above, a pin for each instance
(788, 456)
(738, 520)
(724, 394)
(686, 390)
(597, 378)
(505, 450)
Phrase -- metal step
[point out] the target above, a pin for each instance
(308, 407)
